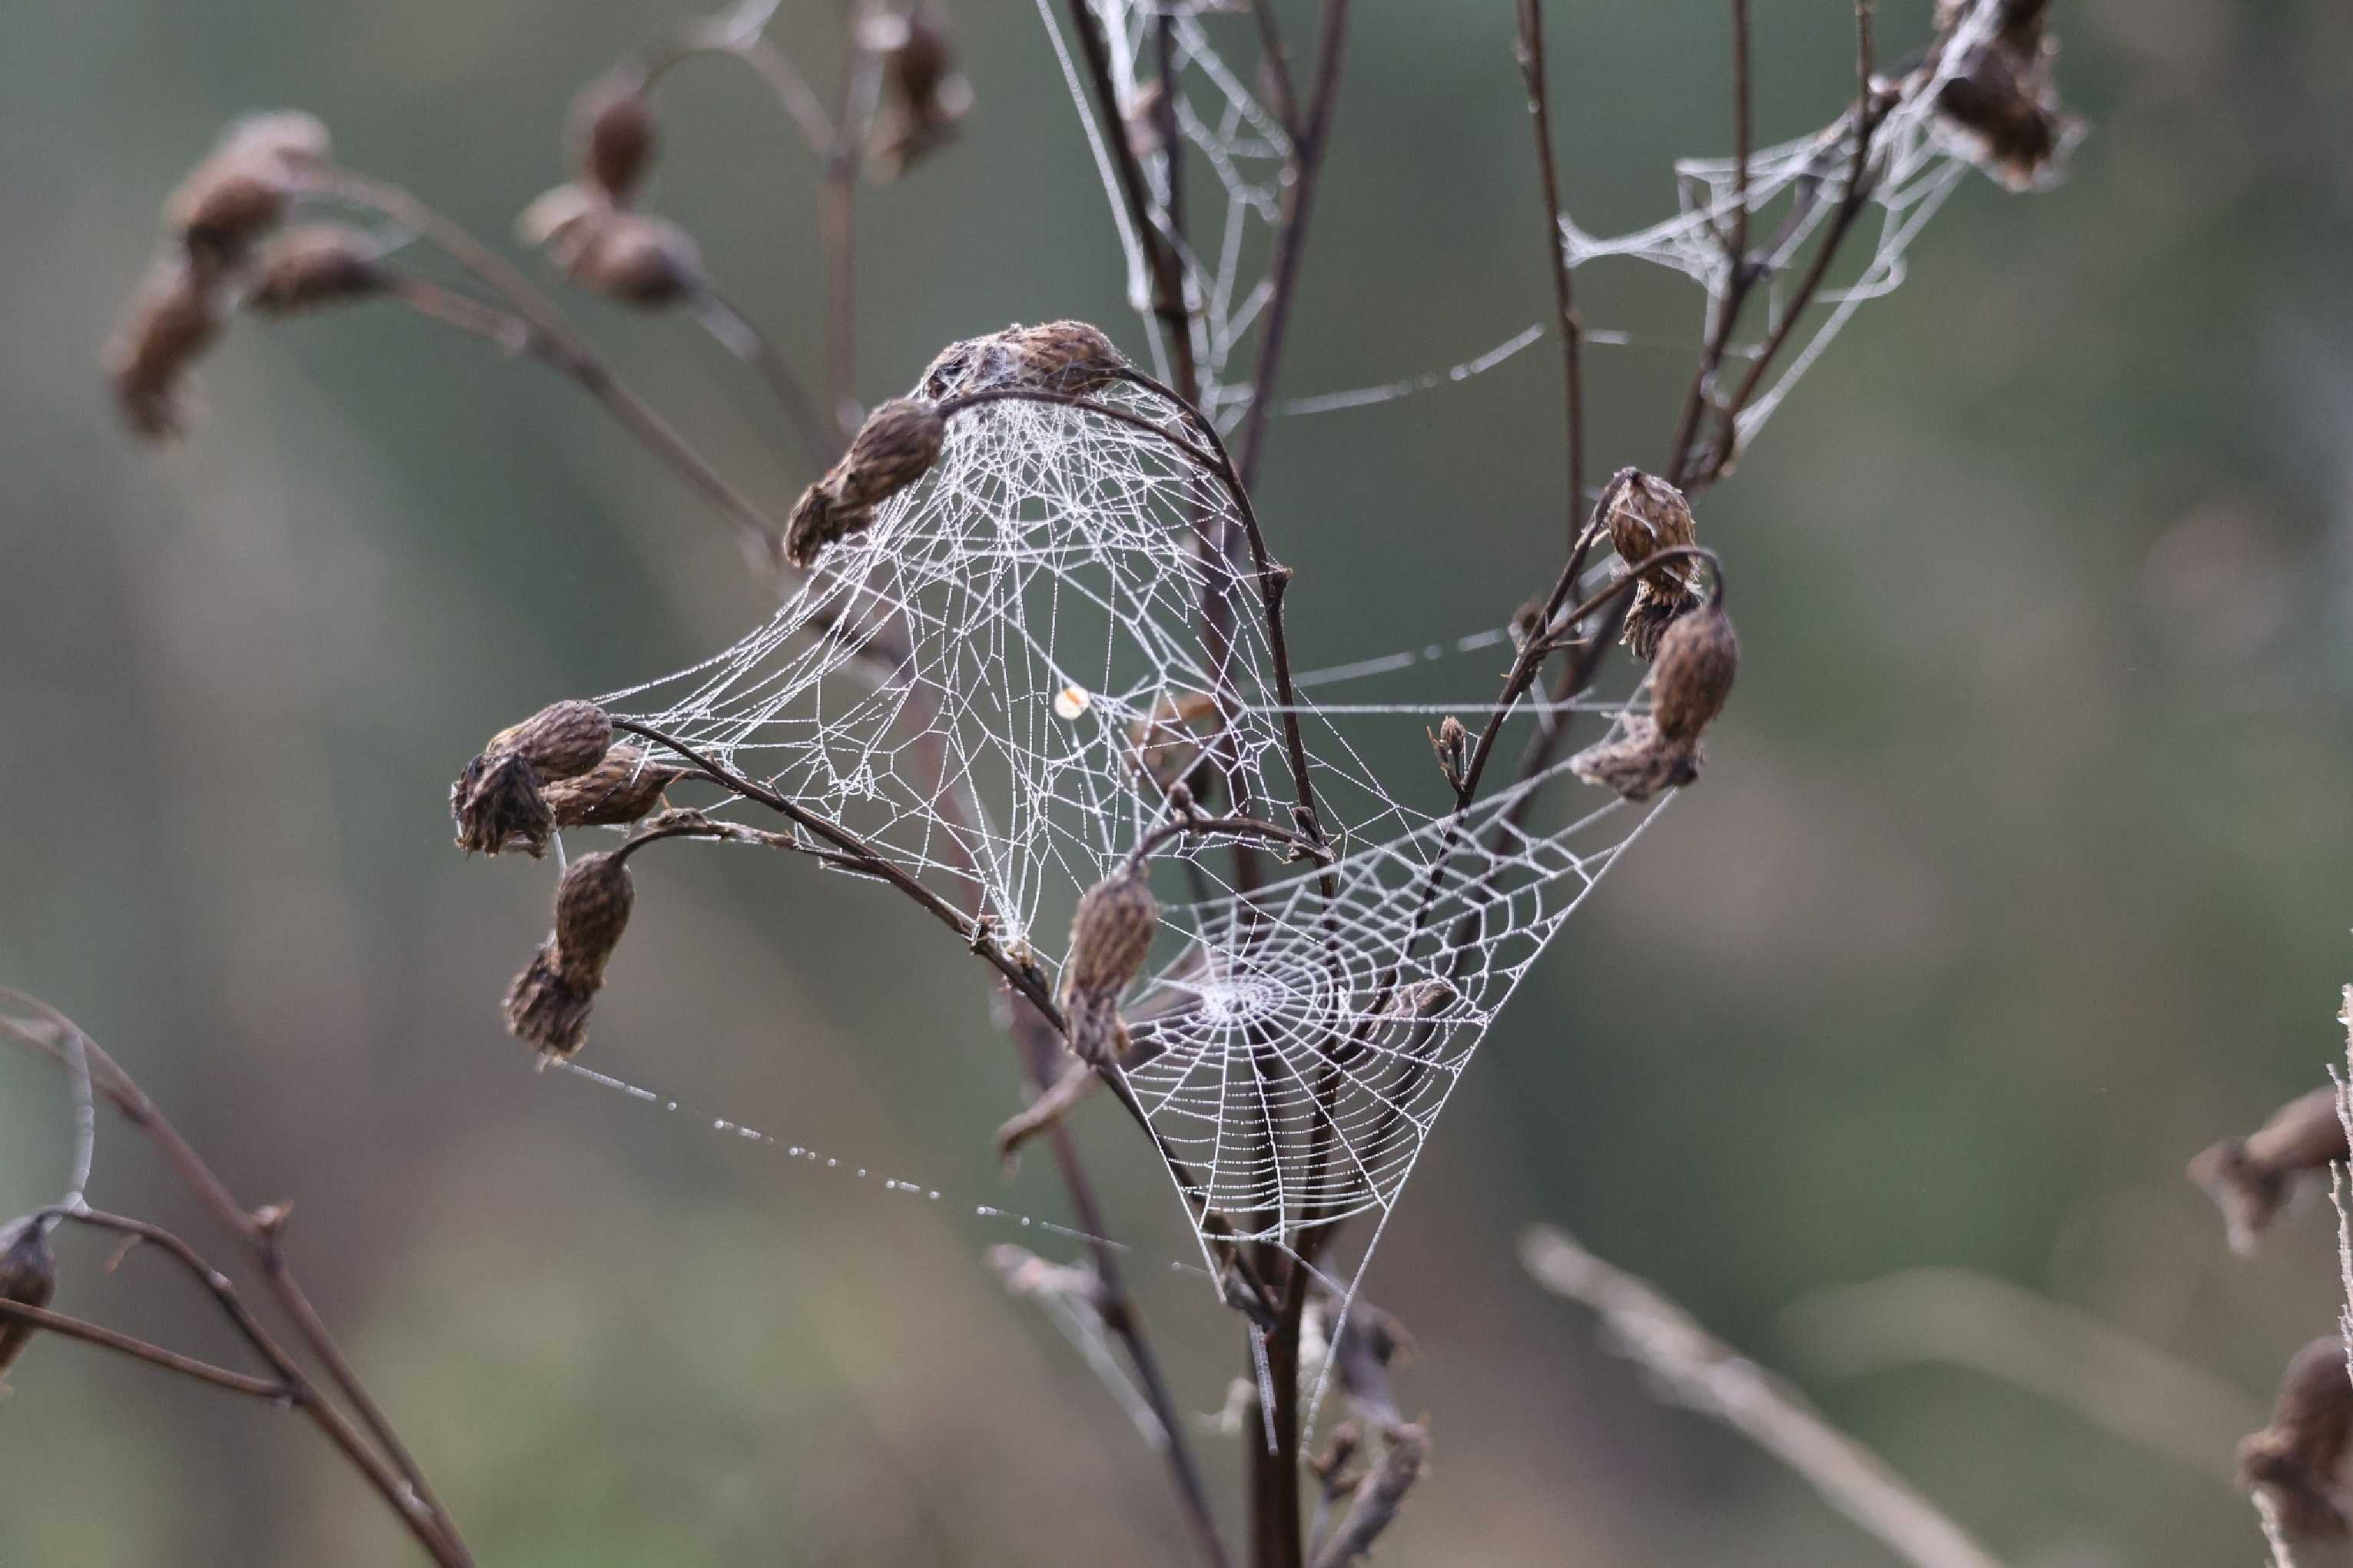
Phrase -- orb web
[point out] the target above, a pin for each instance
(997, 685)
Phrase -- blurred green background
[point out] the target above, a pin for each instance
(2017, 875)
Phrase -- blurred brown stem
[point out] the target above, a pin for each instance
(1571, 326)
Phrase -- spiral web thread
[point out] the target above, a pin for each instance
(1792, 193)
(981, 684)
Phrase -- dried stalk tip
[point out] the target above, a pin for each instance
(547, 1010)
(895, 448)
(2296, 1458)
(243, 186)
(497, 806)
(1109, 939)
(1646, 514)
(28, 1276)
(314, 265)
(1070, 357)
(927, 94)
(168, 324)
(626, 786)
(2002, 97)
(613, 135)
(1452, 744)
(2248, 1178)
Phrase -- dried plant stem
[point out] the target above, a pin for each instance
(861, 90)
(1713, 1378)
(1379, 1497)
(1307, 147)
(1741, 273)
(393, 1471)
(721, 35)
(141, 1350)
(1570, 325)
(735, 332)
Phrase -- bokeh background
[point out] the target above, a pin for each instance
(2019, 875)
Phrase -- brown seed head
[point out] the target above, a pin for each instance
(168, 324)
(497, 806)
(1638, 764)
(243, 186)
(546, 1009)
(1055, 356)
(613, 134)
(592, 910)
(2248, 1178)
(1110, 936)
(2003, 97)
(1452, 743)
(624, 787)
(926, 94)
(28, 1276)
(896, 447)
(1698, 656)
(313, 265)
(1645, 514)
(2297, 1457)
(645, 261)
(562, 740)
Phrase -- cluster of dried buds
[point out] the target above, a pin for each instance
(228, 245)
(547, 1005)
(1110, 937)
(588, 225)
(559, 768)
(2002, 95)
(1692, 651)
(926, 94)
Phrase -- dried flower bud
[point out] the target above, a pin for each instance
(613, 134)
(623, 788)
(2002, 97)
(2248, 1177)
(497, 806)
(1638, 764)
(645, 261)
(1452, 743)
(927, 94)
(166, 327)
(313, 265)
(243, 186)
(546, 1009)
(1698, 656)
(2297, 1456)
(1644, 515)
(895, 448)
(592, 910)
(1073, 357)
(1109, 939)
(562, 740)
(28, 1276)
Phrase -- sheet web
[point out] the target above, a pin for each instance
(997, 684)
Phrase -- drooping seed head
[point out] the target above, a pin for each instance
(637, 259)
(243, 186)
(314, 265)
(592, 911)
(1639, 763)
(1644, 515)
(1063, 356)
(28, 1276)
(1698, 656)
(2297, 1456)
(168, 324)
(622, 788)
(896, 447)
(613, 135)
(2001, 98)
(925, 95)
(1110, 937)
(2248, 1178)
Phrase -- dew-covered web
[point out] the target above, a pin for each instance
(996, 685)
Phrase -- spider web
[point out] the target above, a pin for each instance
(981, 684)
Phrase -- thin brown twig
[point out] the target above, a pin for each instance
(155, 1355)
(862, 88)
(1571, 326)
(1740, 270)
(1307, 147)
